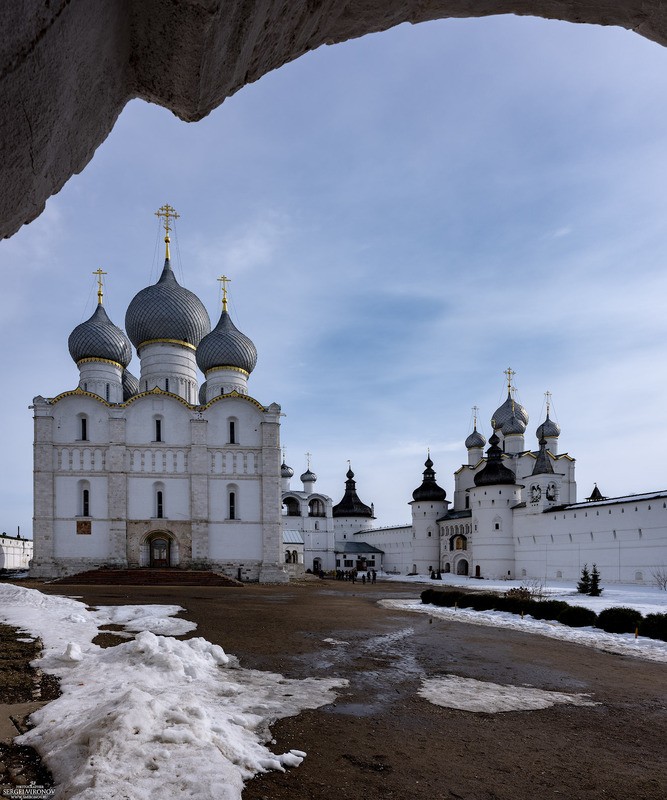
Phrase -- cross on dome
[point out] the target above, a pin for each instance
(167, 212)
(99, 272)
(224, 280)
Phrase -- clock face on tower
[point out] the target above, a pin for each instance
(535, 493)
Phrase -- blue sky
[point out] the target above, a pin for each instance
(403, 217)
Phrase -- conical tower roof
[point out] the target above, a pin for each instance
(351, 505)
(494, 472)
(429, 490)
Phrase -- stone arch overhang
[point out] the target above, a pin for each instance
(188, 56)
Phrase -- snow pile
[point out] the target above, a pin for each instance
(155, 716)
(620, 643)
(466, 694)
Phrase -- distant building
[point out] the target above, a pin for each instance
(15, 552)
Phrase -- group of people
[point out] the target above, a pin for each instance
(370, 576)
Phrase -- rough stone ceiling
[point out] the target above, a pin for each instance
(68, 67)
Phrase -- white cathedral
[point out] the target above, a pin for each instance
(160, 472)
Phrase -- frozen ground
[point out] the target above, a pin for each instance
(154, 717)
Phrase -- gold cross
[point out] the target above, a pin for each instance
(475, 409)
(547, 394)
(99, 272)
(308, 457)
(510, 374)
(224, 280)
(168, 212)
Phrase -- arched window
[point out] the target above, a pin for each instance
(232, 502)
(83, 427)
(232, 430)
(84, 499)
(158, 429)
(159, 500)
(292, 506)
(106, 392)
(288, 557)
(316, 508)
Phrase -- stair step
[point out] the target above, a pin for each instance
(148, 577)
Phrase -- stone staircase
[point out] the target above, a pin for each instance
(145, 576)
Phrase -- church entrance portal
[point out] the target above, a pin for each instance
(462, 567)
(159, 552)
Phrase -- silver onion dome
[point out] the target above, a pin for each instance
(98, 337)
(202, 394)
(505, 411)
(308, 477)
(475, 440)
(226, 346)
(513, 425)
(548, 429)
(130, 385)
(166, 310)
(285, 471)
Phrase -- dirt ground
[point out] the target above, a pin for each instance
(380, 739)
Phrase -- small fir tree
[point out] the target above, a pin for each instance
(584, 585)
(595, 589)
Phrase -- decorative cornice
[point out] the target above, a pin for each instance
(102, 360)
(234, 369)
(179, 342)
(78, 392)
(235, 394)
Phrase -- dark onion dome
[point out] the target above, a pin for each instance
(130, 385)
(429, 490)
(166, 310)
(351, 505)
(543, 465)
(547, 429)
(285, 471)
(98, 337)
(494, 472)
(202, 394)
(226, 346)
(308, 476)
(475, 440)
(505, 411)
(513, 425)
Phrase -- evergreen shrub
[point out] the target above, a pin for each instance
(479, 601)
(619, 619)
(513, 604)
(547, 609)
(446, 599)
(427, 596)
(654, 626)
(577, 616)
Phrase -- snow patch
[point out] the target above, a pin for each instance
(466, 694)
(619, 643)
(155, 716)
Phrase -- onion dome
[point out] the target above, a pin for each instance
(285, 471)
(202, 394)
(98, 337)
(513, 425)
(494, 471)
(351, 505)
(429, 490)
(505, 411)
(475, 440)
(130, 385)
(166, 310)
(308, 476)
(226, 346)
(548, 429)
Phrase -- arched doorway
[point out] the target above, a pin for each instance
(462, 567)
(159, 551)
(317, 565)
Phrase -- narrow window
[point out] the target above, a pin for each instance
(106, 393)
(166, 384)
(158, 430)
(232, 505)
(84, 429)
(159, 505)
(85, 387)
(85, 503)
(232, 432)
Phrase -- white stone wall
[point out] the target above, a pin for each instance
(396, 543)
(15, 553)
